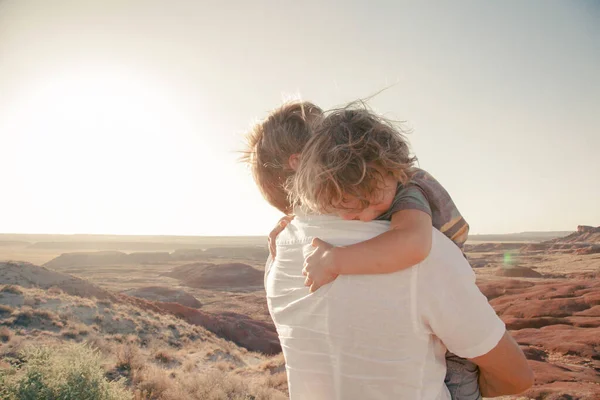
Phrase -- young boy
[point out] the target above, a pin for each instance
(357, 165)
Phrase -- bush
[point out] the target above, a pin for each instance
(11, 289)
(164, 356)
(128, 358)
(68, 372)
(5, 334)
(5, 310)
(217, 385)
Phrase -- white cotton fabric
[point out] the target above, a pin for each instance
(375, 336)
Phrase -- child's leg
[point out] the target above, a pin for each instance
(462, 378)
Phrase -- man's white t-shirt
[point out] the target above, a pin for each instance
(375, 336)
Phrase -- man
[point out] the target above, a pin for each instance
(384, 336)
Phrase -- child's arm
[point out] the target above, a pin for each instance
(407, 243)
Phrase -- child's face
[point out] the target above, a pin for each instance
(380, 202)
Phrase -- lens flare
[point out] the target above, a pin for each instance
(508, 258)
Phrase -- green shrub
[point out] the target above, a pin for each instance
(68, 372)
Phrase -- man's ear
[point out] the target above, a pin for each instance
(294, 161)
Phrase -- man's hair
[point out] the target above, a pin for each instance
(350, 151)
(270, 144)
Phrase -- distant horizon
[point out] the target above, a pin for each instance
(239, 236)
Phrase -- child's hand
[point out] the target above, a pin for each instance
(283, 222)
(319, 267)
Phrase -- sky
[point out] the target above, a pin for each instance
(127, 117)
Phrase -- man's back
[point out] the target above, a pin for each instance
(362, 337)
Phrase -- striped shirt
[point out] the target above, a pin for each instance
(423, 192)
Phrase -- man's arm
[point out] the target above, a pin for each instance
(504, 369)
(454, 309)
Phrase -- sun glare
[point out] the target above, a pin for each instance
(98, 140)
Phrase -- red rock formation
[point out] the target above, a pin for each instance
(489, 247)
(240, 329)
(518, 272)
(536, 247)
(165, 295)
(106, 258)
(586, 240)
(29, 275)
(584, 234)
(557, 323)
(585, 228)
(244, 331)
(593, 249)
(210, 276)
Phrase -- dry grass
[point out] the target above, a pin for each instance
(105, 302)
(11, 289)
(158, 356)
(128, 357)
(54, 290)
(277, 381)
(44, 314)
(153, 383)
(65, 372)
(189, 365)
(165, 356)
(5, 334)
(5, 310)
(75, 331)
(12, 347)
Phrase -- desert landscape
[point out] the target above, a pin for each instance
(186, 317)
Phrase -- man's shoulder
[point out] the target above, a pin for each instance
(331, 229)
(445, 258)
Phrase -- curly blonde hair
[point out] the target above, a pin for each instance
(271, 142)
(348, 155)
